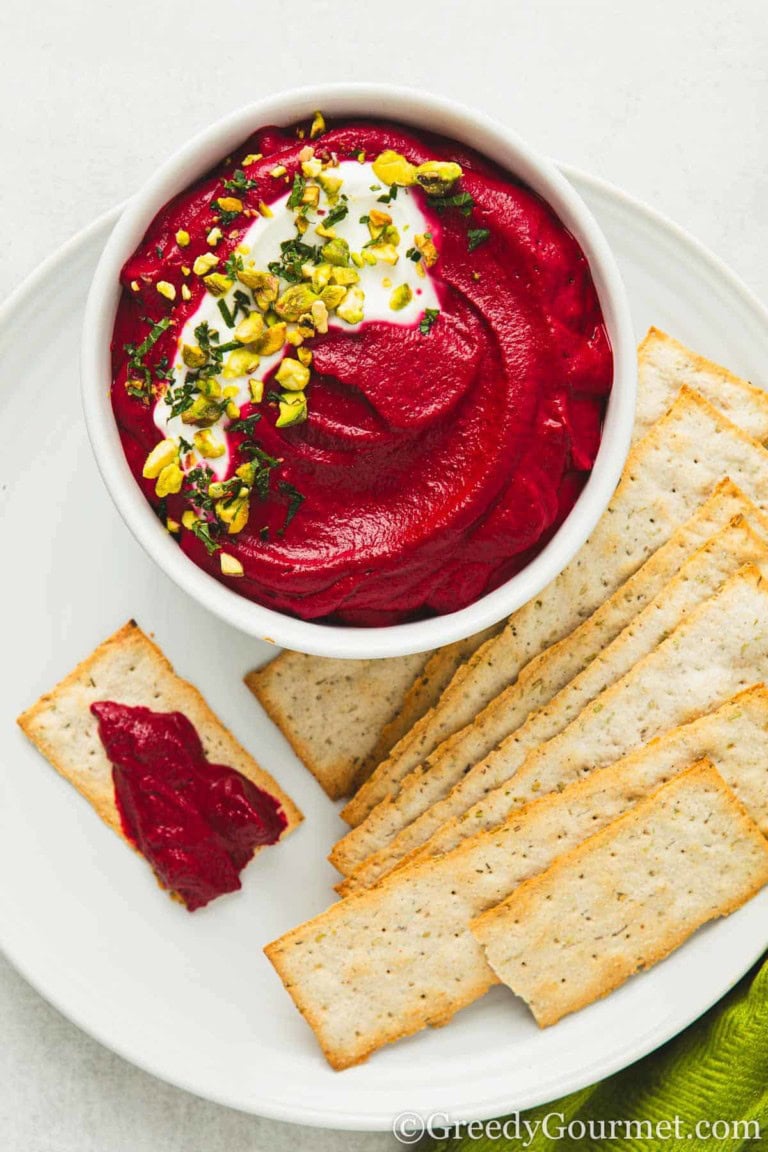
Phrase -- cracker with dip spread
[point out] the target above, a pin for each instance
(127, 692)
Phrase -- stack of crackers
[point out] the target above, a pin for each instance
(560, 802)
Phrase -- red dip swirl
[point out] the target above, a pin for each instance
(197, 823)
(412, 467)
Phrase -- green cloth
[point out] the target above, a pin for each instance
(716, 1070)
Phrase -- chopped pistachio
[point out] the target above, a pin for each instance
(312, 167)
(272, 340)
(230, 565)
(378, 219)
(189, 519)
(166, 289)
(302, 224)
(326, 233)
(251, 158)
(232, 410)
(164, 453)
(264, 285)
(306, 153)
(386, 282)
(182, 238)
(420, 269)
(425, 244)
(357, 259)
(230, 203)
(311, 196)
(319, 274)
(207, 446)
(351, 307)
(437, 177)
(278, 171)
(240, 362)
(169, 481)
(204, 263)
(336, 252)
(135, 287)
(295, 300)
(250, 328)
(386, 253)
(392, 168)
(214, 236)
(292, 409)
(333, 295)
(361, 157)
(256, 388)
(294, 337)
(331, 185)
(234, 513)
(185, 292)
(243, 249)
(292, 375)
(368, 257)
(173, 526)
(303, 354)
(264, 209)
(217, 283)
(345, 276)
(202, 412)
(193, 355)
(319, 313)
(185, 270)
(401, 297)
(318, 126)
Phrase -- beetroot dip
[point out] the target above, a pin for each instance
(197, 824)
(435, 402)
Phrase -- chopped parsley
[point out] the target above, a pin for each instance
(233, 264)
(476, 237)
(295, 501)
(413, 254)
(427, 320)
(299, 184)
(388, 197)
(239, 182)
(246, 424)
(264, 466)
(140, 374)
(207, 531)
(335, 215)
(463, 201)
(294, 253)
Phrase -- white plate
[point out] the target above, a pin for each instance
(191, 998)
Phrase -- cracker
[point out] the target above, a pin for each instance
(626, 897)
(664, 365)
(332, 711)
(424, 692)
(129, 669)
(539, 705)
(397, 957)
(668, 474)
(721, 648)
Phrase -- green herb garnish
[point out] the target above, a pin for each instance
(239, 182)
(461, 200)
(294, 253)
(476, 237)
(335, 215)
(413, 254)
(295, 501)
(299, 184)
(427, 320)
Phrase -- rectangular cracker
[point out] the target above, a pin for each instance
(541, 704)
(395, 958)
(627, 897)
(664, 365)
(424, 691)
(719, 649)
(129, 669)
(668, 474)
(332, 711)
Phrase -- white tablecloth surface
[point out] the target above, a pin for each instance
(666, 98)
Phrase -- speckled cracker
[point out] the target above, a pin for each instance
(718, 650)
(664, 365)
(129, 669)
(626, 897)
(332, 711)
(541, 704)
(668, 474)
(400, 956)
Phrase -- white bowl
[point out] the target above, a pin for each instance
(202, 153)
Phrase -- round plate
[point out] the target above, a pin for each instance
(191, 998)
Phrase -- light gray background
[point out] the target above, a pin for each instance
(667, 99)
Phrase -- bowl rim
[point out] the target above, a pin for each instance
(421, 110)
